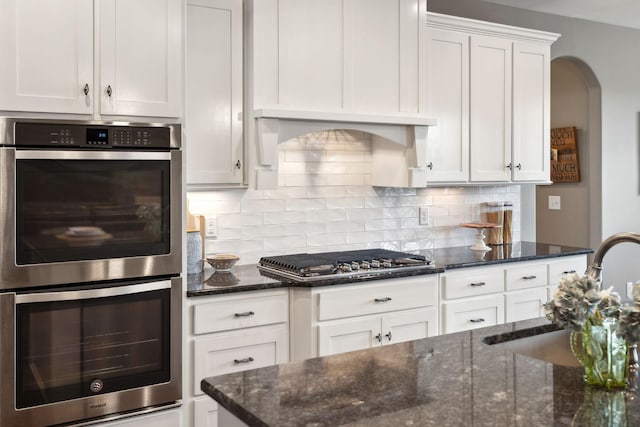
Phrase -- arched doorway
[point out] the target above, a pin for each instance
(575, 101)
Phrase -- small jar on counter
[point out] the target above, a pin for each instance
(495, 216)
(507, 223)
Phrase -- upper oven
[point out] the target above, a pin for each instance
(88, 201)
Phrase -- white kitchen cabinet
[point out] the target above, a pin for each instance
(334, 319)
(47, 56)
(490, 109)
(140, 57)
(489, 90)
(448, 99)
(230, 333)
(491, 295)
(373, 331)
(214, 93)
(50, 64)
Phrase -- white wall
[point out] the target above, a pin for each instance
(611, 53)
(326, 202)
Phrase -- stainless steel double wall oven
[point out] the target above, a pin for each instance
(90, 257)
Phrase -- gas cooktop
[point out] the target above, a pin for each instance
(339, 267)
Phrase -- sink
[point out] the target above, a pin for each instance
(545, 343)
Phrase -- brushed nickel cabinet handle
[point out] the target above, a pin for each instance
(568, 272)
(379, 337)
(245, 360)
(238, 164)
(388, 336)
(528, 277)
(385, 299)
(430, 166)
(509, 166)
(109, 91)
(85, 89)
(478, 320)
(519, 166)
(477, 284)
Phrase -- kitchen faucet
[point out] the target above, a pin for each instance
(595, 269)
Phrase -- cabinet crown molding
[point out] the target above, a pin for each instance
(473, 26)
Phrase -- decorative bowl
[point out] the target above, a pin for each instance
(222, 262)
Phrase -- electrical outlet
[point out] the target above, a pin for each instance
(554, 203)
(210, 226)
(423, 214)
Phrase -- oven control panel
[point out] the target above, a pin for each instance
(98, 136)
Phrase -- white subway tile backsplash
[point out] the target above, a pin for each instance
(326, 202)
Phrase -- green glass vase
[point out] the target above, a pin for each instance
(602, 353)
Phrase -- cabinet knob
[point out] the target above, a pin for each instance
(478, 320)
(244, 314)
(245, 360)
(109, 91)
(85, 89)
(430, 165)
(388, 336)
(379, 337)
(385, 299)
(238, 164)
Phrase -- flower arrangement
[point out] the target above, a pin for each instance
(629, 319)
(580, 299)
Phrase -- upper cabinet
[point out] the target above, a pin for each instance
(213, 107)
(50, 63)
(489, 89)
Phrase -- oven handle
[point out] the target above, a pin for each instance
(92, 293)
(91, 155)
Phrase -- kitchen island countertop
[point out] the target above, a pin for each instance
(243, 278)
(448, 380)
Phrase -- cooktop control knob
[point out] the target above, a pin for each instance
(375, 263)
(355, 265)
(386, 263)
(365, 265)
(344, 268)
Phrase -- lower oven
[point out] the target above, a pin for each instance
(80, 354)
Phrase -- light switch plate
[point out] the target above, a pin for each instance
(554, 203)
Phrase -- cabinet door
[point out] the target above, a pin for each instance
(205, 412)
(531, 115)
(213, 122)
(47, 56)
(490, 109)
(235, 351)
(348, 335)
(409, 325)
(140, 57)
(528, 304)
(448, 102)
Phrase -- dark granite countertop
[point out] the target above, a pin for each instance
(244, 278)
(448, 380)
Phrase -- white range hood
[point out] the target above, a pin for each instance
(398, 142)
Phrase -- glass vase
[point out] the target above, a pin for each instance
(602, 353)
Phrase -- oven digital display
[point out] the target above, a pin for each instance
(97, 136)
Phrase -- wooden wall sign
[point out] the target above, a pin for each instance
(565, 166)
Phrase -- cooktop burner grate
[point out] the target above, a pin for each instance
(342, 263)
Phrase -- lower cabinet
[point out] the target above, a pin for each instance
(373, 331)
(231, 333)
(335, 319)
(476, 297)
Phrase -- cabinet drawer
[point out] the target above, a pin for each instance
(244, 312)
(526, 276)
(388, 295)
(472, 282)
(237, 351)
(472, 313)
(569, 265)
